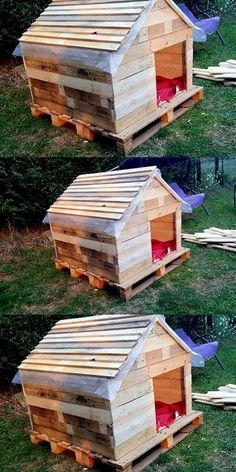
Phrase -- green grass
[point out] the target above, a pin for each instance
(29, 282)
(206, 130)
(210, 448)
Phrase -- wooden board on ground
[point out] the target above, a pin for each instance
(224, 239)
(225, 73)
(224, 397)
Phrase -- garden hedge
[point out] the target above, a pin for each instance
(15, 17)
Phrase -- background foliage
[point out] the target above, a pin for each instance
(28, 185)
(15, 17)
(211, 7)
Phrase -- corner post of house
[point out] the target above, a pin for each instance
(189, 61)
(178, 227)
(188, 384)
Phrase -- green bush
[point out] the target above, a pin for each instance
(18, 336)
(29, 185)
(15, 17)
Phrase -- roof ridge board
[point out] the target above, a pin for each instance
(82, 190)
(90, 6)
(133, 170)
(115, 178)
(111, 317)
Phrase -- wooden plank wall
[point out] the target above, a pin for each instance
(80, 420)
(134, 245)
(86, 94)
(135, 82)
(161, 354)
(94, 253)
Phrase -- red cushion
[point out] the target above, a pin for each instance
(160, 249)
(167, 88)
(167, 413)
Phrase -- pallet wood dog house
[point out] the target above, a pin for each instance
(119, 68)
(122, 228)
(98, 385)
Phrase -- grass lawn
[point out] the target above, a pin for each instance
(210, 448)
(206, 130)
(205, 284)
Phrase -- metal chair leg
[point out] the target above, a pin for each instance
(219, 361)
(221, 37)
(207, 212)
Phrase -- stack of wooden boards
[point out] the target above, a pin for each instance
(224, 397)
(214, 237)
(225, 72)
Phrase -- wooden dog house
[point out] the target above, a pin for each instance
(99, 385)
(119, 227)
(119, 68)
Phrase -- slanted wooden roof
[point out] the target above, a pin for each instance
(96, 346)
(103, 195)
(92, 24)
(106, 195)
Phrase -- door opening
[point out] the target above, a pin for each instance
(169, 395)
(170, 64)
(163, 236)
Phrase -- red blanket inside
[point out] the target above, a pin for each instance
(167, 88)
(160, 249)
(166, 413)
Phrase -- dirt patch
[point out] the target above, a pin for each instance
(68, 138)
(68, 465)
(6, 277)
(12, 240)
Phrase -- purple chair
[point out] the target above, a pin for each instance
(208, 25)
(207, 350)
(194, 201)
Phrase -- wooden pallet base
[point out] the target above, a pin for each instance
(131, 138)
(94, 280)
(140, 461)
(129, 290)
